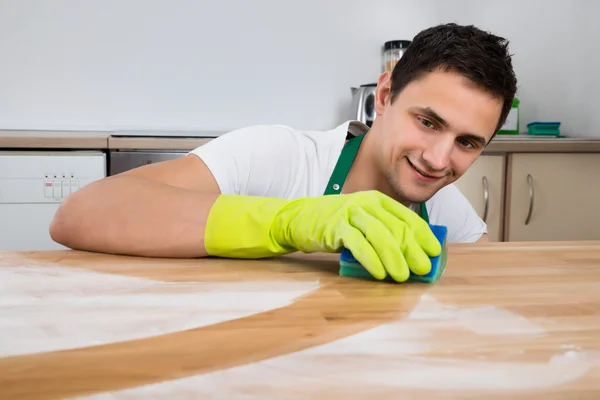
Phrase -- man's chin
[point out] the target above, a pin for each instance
(416, 195)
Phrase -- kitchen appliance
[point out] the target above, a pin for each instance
(392, 52)
(362, 105)
(124, 160)
(32, 186)
(132, 149)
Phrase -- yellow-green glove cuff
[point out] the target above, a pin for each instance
(239, 226)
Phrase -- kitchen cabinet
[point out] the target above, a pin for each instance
(553, 196)
(483, 185)
(32, 186)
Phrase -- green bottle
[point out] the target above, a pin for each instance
(511, 126)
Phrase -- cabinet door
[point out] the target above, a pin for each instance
(483, 186)
(554, 197)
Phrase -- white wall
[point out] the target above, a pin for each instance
(176, 64)
(556, 55)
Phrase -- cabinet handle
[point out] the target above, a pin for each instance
(486, 198)
(530, 181)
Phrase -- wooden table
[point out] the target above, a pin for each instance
(507, 320)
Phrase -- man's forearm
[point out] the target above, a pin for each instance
(135, 216)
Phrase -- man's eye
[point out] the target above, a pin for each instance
(427, 123)
(465, 142)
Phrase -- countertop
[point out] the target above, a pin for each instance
(108, 140)
(507, 320)
(25, 139)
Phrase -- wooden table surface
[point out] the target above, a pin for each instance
(507, 320)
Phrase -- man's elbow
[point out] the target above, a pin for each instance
(63, 228)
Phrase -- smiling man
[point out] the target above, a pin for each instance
(264, 191)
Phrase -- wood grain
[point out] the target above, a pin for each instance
(53, 139)
(542, 145)
(150, 143)
(500, 312)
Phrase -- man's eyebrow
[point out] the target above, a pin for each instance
(475, 138)
(433, 115)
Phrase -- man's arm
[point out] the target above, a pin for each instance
(155, 210)
(162, 209)
(483, 239)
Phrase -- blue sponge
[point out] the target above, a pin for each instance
(349, 266)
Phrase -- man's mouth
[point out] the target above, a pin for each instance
(423, 174)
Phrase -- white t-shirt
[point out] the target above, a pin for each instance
(282, 162)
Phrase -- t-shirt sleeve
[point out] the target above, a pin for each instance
(255, 160)
(451, 208)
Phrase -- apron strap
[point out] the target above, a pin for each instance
(423, 212)
(342, 168)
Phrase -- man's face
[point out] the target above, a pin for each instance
(435, 129)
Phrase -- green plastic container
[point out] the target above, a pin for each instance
(544, 128)
(511, 126)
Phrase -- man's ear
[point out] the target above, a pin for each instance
(383, 92)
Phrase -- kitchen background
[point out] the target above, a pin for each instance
(139, 81)
(199, 65)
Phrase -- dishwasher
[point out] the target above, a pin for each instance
(124, 160)
(32, 186)
(130, 149)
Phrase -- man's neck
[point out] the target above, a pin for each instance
(366, 173)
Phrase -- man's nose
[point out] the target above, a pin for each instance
(438, 152)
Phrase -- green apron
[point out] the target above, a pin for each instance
(342, 167)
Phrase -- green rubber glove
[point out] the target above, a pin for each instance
(385, 236)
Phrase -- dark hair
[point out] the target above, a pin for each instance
(480, 56)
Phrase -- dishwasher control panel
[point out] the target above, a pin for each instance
(57, 186)
(47, 177)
